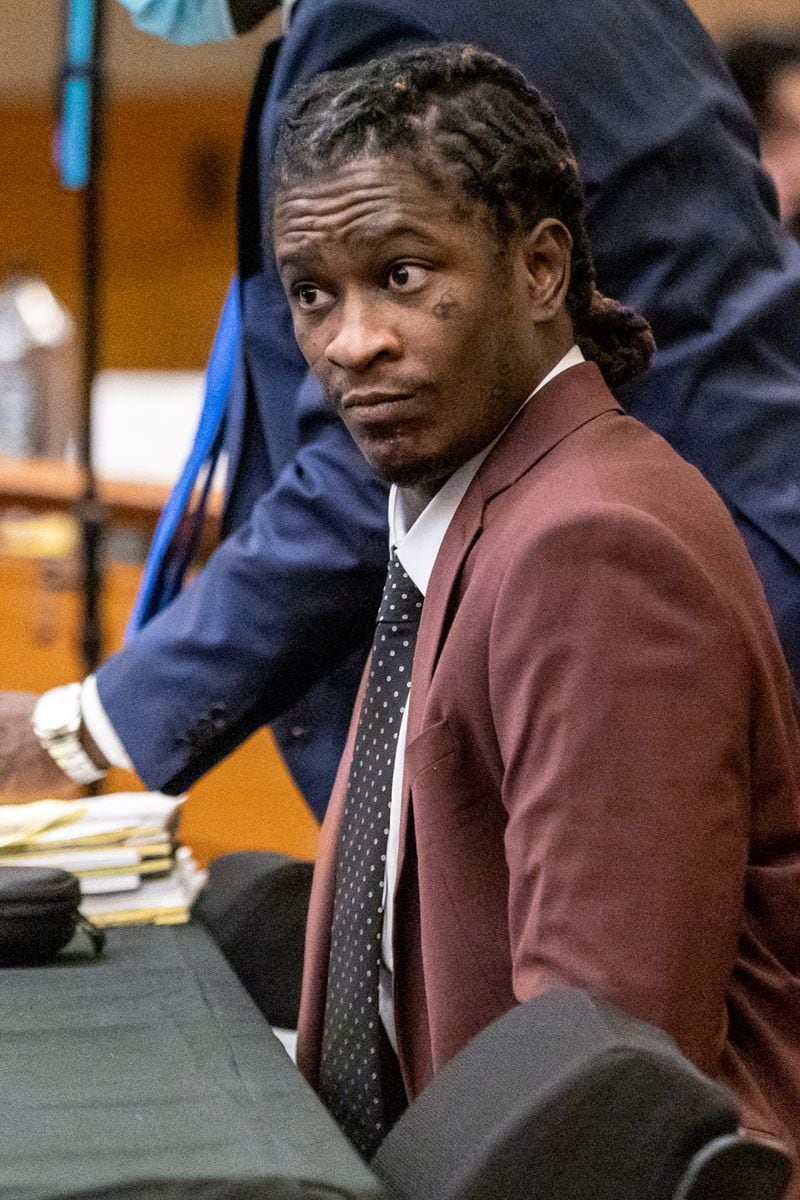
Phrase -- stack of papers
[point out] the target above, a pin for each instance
(121, 848)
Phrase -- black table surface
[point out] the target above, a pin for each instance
(153, 1064)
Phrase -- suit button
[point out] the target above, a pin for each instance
(217, 716)
(298, 731)
(205, 730)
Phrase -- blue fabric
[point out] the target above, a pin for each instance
(187, 24)
(177, 532)
(75, 150)
(683, 223)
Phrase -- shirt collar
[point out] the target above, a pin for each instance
(287, 6)
(417, 537)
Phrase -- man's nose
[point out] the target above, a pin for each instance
(363, 334)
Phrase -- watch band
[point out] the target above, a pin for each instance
(57, 722)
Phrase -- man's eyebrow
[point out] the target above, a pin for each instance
(291, 259)
(389, 231)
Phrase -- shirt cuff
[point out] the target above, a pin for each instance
(100, 729)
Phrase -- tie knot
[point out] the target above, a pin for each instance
(401, 602)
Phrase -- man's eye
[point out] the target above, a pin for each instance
(309, 296)
(406, 277)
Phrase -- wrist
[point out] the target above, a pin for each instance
(57, 723)
(92, 749)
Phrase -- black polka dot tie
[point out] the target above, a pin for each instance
(354, 1064)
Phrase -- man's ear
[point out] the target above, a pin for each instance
(548, 260)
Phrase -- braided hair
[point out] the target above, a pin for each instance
(458, 112)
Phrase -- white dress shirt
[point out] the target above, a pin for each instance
(417, 537)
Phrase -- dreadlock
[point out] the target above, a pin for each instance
(458, 111)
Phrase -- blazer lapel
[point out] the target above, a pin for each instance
(411, 1006)
(320, 912)
(570, 400)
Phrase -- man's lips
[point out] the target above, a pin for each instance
(376, 408)
(373, 399)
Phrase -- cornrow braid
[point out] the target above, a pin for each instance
(460, 112)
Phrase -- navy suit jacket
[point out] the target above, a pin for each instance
(683, 224)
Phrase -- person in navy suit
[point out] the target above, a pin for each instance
(684, 224)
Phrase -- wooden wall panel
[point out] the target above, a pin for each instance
(168, 246)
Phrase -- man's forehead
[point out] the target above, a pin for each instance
(373, 197)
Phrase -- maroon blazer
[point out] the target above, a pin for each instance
(602, 775)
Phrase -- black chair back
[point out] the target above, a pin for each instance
(254, 905)
(565, 1098)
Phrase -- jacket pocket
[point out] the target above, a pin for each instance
(433, 744)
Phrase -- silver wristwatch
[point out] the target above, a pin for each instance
(57, 721)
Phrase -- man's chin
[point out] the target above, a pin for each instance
(428, 472)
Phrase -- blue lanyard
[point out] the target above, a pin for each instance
(169, 555)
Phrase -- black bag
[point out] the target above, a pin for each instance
(39, 915)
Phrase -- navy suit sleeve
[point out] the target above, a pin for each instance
(282, 601)
(289, 596)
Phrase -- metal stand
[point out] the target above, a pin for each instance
(83, 98)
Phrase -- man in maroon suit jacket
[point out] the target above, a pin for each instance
(599, 768)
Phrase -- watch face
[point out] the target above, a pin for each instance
(57, 712)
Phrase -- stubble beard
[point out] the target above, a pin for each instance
(433, 470)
